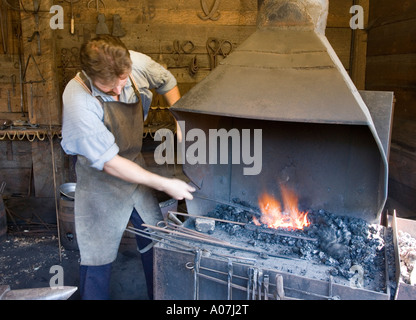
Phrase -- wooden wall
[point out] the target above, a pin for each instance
(391, 66)
(152, 27)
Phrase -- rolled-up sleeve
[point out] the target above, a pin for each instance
(157, 76)
(83, 130)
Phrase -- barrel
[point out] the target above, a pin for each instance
(67, 224)
(3, 221)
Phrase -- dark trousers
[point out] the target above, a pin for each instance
(95, 280)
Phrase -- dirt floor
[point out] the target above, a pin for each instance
(27, 254)
(26, 261)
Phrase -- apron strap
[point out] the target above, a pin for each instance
(136, 89)
(82, 79)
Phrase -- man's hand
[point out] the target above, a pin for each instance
(178, 189)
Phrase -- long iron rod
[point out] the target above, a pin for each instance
(248, 226)
(235, 205)
(170, 241)
(218, 243)
(189, 236)
(209, 218)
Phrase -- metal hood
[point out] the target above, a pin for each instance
(287, 77)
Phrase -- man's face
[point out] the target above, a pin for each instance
(112, 88)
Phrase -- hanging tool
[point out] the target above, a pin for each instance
(101, 27)
(212, 14)
(36, 7)
(31, 82)
(97, 4)
(18, 33)
(13, 82)
(193, 67)
(30, 39)
(118, 30)
(72, 29)
(186, 47)
(217, 47)
(9, 106)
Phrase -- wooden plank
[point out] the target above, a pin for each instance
(15, 154)
(405, 103)
(17, 180)
(43, 168)
(404, 133)
(403, 166)
(405, 196)
(179, 16)
(396, 38)
(340, 39)
(386, 12)
(339, 13)
(392, 71)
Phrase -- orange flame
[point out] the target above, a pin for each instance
(274, 217)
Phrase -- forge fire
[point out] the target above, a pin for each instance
(274, 216)
(346, 245)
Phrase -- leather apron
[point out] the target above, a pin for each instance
(104, 203)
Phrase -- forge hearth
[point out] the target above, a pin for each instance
(335, 258)
(320, 137)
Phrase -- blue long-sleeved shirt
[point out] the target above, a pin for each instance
(83, 129)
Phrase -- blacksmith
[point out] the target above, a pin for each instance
(104, 108)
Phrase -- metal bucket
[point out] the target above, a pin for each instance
(67, 224)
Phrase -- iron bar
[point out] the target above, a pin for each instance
(181, 245)
(253, 227)
(250, 227)
(235, 205)
(174, 227)
(189, 236)
(218, 243)
(204, 217)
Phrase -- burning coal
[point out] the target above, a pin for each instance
(341, 242)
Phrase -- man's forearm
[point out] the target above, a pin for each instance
(172, 96)
(129, 171)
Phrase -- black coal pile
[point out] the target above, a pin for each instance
(345, 244)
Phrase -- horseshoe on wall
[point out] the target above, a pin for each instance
(212, 14)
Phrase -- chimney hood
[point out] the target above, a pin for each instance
(318, 133)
